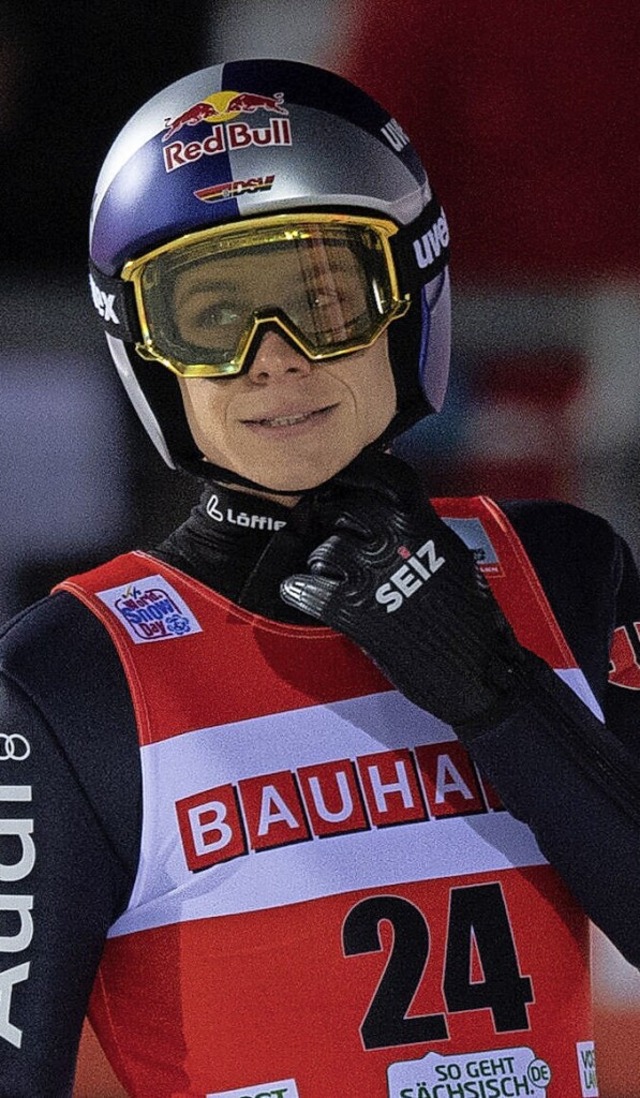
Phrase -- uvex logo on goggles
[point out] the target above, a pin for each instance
(104, 302)
(432, 243)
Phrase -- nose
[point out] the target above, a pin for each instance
(275, 359)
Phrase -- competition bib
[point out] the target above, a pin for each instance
(330, 899)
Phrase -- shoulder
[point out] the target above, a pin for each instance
(557, 516)
(61, 660)
(552, 528)
(578, 558)
(62, 680)
(51, 641)
(59, 639)
(568, 543)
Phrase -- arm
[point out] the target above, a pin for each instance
(577, 786)
(575, 780)
(449, 649)
(67, 874)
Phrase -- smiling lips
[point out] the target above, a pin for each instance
(294, 419)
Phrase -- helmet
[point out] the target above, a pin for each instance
(254, 139)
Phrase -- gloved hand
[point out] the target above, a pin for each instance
(393, 577)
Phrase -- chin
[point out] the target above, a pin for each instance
(300, 479)
(294, 484)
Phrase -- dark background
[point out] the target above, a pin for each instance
(526, 115)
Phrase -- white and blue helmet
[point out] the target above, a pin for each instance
(249, 139)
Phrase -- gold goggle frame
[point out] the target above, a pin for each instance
(285, 227)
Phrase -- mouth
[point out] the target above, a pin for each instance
(291, 420)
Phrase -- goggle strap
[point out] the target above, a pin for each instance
(114, 300)
(422, 248)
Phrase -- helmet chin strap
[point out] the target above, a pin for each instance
(207, 470)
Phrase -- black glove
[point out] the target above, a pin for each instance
(393, 577)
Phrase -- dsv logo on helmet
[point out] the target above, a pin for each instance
(22, 904)
(13, 747)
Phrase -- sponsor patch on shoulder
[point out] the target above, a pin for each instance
(150, 610)
(472, 532)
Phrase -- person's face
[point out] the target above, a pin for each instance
(286, 423)
(289, 423)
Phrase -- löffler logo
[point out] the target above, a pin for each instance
(241, 518)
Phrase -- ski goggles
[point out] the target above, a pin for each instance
(326, 280)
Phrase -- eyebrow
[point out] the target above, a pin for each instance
(209, 284)
(205, 286)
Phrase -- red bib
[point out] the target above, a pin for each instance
(330, 901)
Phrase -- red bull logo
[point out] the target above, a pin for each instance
(223, 106)
(222, 110)
(229, 136)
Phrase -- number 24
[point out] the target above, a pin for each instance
(477, 912)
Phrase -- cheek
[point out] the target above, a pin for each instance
(378, 398)
(204, 408)
(388, 400)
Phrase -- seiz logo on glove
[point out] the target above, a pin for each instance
(409, 578)
(443, 641)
